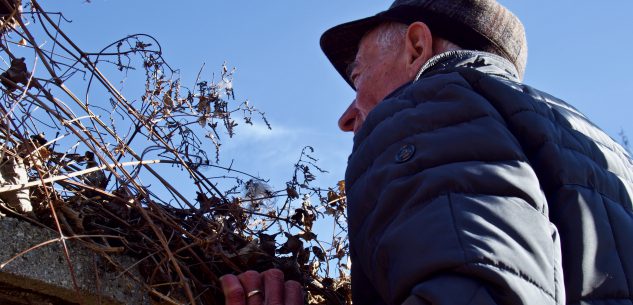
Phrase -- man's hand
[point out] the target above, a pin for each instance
(266, 288)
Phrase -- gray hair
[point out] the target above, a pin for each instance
(391, 35)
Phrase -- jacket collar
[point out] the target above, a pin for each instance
(482, 61)
(485, 62)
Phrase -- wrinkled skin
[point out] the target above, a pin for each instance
(376, 73)
(273, 289)
(379, 70)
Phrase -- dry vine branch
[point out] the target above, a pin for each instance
(87, 182)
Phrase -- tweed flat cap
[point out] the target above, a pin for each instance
(483, 25)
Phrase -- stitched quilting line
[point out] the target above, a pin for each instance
(475, 293)
(396, 142)
(573, 132)
(617, 244)
(476, 83)
(415, 173)
(592, 299)
(511, 271)
(589, 158)
(491, 264)
(576, 134)
(475, 195)
(496, 264)
(628, 209)
(375, 199)
(597, 165)
(465, 259)
(454, 219)
(552, 106)
(411, 105)
(557, 264)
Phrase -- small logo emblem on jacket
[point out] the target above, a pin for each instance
(405, 154)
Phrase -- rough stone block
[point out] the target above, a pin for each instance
(42, 276)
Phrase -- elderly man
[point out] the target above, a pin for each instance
(464, 185)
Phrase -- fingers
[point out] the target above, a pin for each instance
(233, 291)
(269, 285)
(274, 286)
(252, 282)
(293, 293)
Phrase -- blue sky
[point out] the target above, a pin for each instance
(578, 51)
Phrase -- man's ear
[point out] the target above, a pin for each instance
(418, 47)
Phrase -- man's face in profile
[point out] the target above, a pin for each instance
(376, 72)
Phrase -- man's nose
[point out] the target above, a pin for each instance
(348, 119)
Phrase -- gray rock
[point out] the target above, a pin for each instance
(42, 276)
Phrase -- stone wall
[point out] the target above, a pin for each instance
(42, 276)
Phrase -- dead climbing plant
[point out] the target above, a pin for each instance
(86, 163)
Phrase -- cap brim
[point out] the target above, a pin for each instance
(340, 43)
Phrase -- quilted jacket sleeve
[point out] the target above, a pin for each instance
(443, 206)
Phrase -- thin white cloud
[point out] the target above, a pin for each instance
(271, 154)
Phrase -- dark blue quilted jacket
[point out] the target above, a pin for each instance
(467, 187)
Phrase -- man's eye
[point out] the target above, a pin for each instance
(354, 76)
(352, 70)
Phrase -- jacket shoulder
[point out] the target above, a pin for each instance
(587, 178)
(435, 164)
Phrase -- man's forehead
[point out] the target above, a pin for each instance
(367, 41)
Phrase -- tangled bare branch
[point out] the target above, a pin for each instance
(76, 163)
